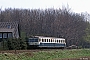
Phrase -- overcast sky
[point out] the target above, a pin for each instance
(77, 6)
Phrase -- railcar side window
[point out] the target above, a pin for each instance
(59, 41)
(45, 40)
(62, 41)
(52, 40)
(42, 40)
(55, 41)
(49, 40)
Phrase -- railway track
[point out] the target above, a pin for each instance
(31, 50)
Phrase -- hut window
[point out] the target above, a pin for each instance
(4, 35)
(9, 35)
(0, 35)
(8, 26)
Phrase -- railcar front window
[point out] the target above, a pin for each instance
(39, 40)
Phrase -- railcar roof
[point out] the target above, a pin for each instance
(48, 37)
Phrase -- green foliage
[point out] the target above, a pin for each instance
(23, 40)
(87, 35)
(13, 44)
(23, 35)
(18, 44)
(4, 44)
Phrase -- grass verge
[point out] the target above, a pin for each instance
(47, 55)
